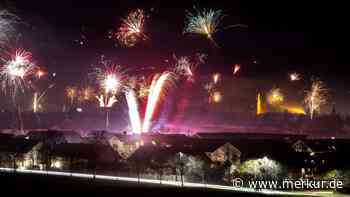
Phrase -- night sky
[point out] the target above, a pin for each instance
(282, 36)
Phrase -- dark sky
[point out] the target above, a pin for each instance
(310, 37)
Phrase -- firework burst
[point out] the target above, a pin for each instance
(275, 96)
(216, 97)
(131, 30)
(109, 78)
(142, 87)
(143, 91)
(201, 57)
(40, 73)
(71, 93)
(38, 97)
(16, 72)
(138, 85)
(87, 93)
(203, 22)
(294, 76)
(185, 66)
(209, 87)
(111, 82)
(316, 97)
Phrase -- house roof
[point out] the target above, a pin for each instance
(327, 145)
(85, 151)
(17, 145)
(147, 153)
(5, 136)
(249, 135)
(68, 136)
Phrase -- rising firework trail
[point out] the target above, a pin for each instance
(155, 93)
(38, 96)
(71, 93)
(258, 105)
(216, 77)
(131, 30)
(236, 68)
(40, 74)
(316, 97)
(203, 22)
(134, 115)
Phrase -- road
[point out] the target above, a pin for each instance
(174, 183)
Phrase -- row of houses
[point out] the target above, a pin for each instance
(196, 158)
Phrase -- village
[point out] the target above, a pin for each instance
(204, 158)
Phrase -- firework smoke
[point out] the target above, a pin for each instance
(7, 26)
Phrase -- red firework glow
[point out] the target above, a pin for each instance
(15, 72)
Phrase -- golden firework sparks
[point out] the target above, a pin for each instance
(275, 96)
